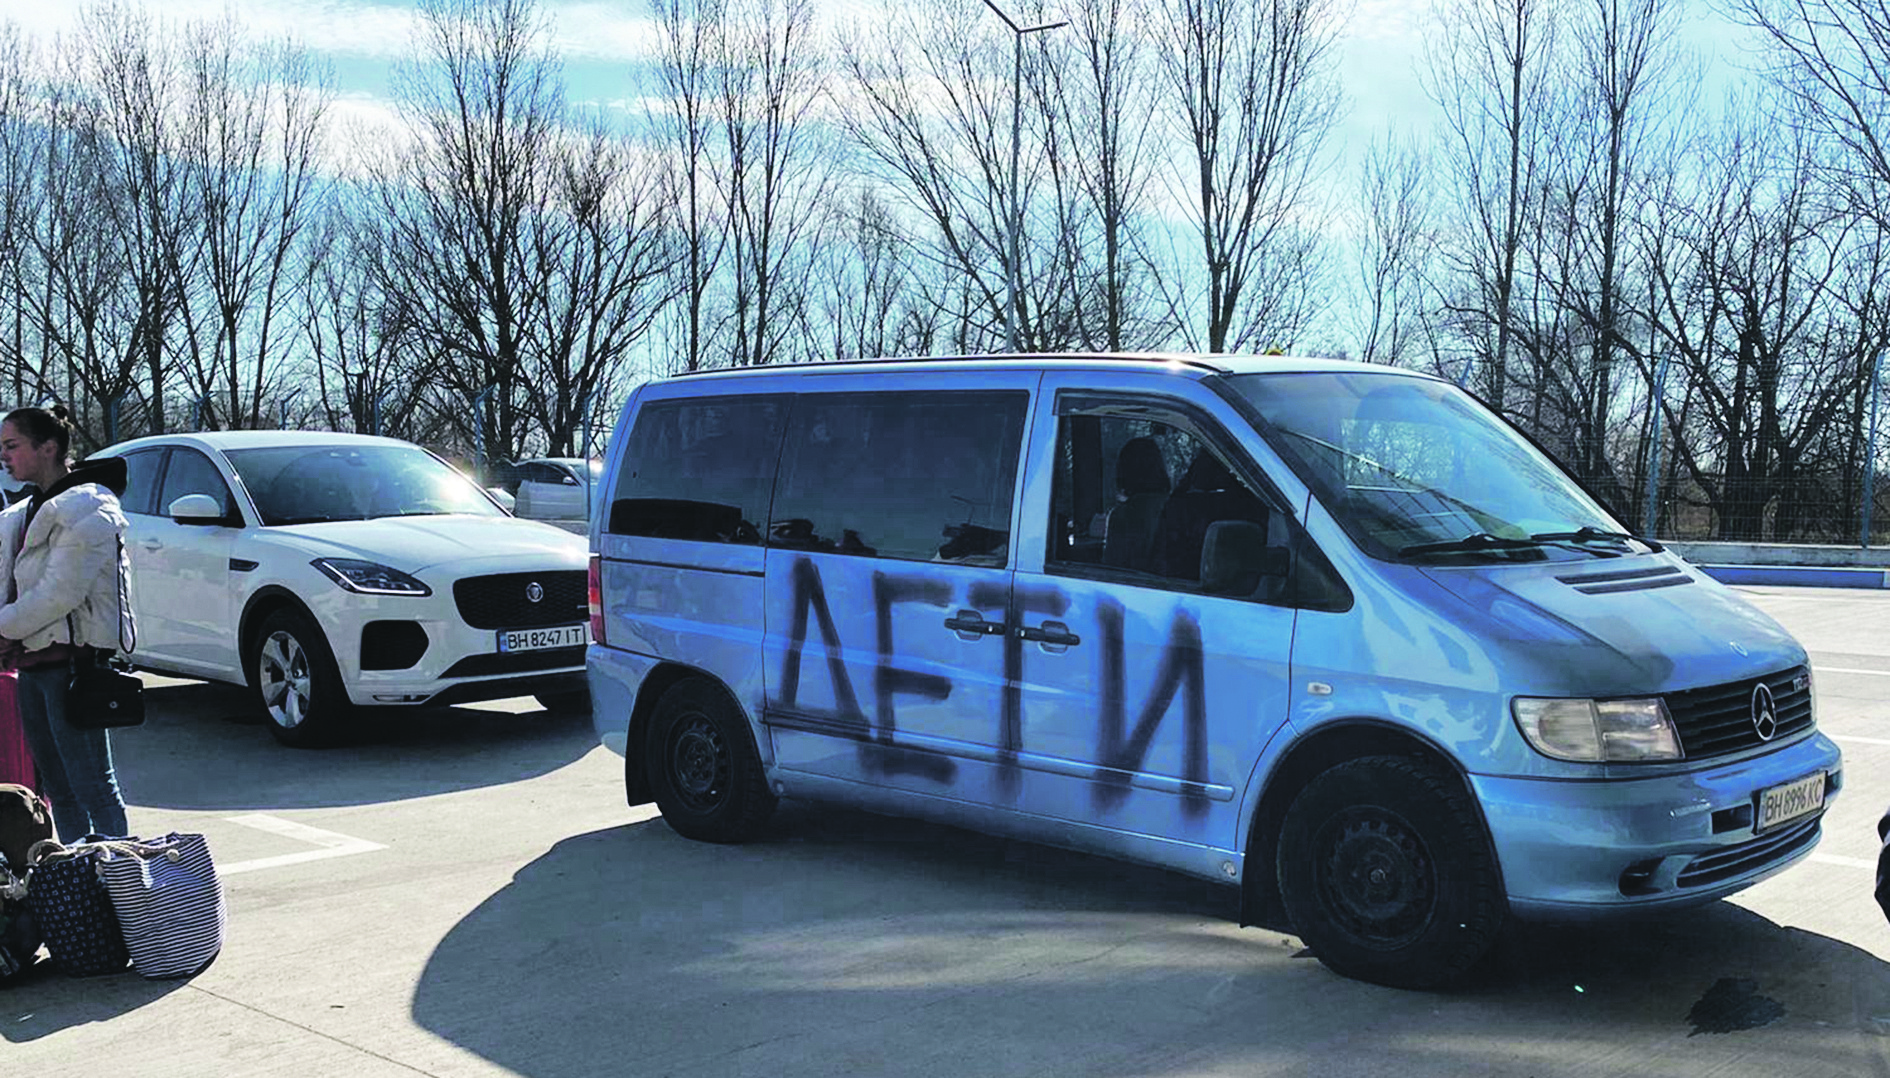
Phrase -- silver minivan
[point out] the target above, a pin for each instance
(1331, 633)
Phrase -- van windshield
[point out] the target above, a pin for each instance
(1416, 469)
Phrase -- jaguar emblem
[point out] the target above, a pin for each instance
(535, 592)
(1764, 712)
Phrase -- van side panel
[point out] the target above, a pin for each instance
(697, 604)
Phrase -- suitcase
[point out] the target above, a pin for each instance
(16, 763)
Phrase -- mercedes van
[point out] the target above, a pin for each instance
(1331, 633)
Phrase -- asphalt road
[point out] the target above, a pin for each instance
(466, 894)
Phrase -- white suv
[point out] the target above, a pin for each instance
(330, 570)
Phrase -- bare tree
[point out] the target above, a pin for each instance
(690, 47)
(1772, 306)
(1255, 98)
(1833, 59)
(929, 108)
(778, 172)
(129, 94)
(606, 246)
(1101, 80)
(486, 108)
(1396, 239)
(254, 119)
(1625, 61)
(1489, 67)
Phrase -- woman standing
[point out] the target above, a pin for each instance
(63, 567)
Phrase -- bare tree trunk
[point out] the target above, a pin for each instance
(1254, 94)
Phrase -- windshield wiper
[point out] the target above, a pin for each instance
(1586, 534)
(1474, 542)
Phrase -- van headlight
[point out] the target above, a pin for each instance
(371, 578)
(1598, 731)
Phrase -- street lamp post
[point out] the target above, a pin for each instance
(1015, 212)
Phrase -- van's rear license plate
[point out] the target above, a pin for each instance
(562, 636)
(1788, 801)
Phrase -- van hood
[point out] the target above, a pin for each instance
(414, 543)
(1648, 624)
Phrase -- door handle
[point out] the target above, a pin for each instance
(970, 625)
(152, 544)
(1051, 634)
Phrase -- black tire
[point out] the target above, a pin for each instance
(704, 773)
(297, 683)
(576, 702)
(1387, 875)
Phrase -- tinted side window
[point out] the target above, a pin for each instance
(1140, 493)
(141, 481)
(916, 476)
(699, 469)
(191, 472)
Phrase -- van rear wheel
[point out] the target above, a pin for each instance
(1386, 873)
(704, 772)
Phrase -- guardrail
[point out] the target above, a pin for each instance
(1788, 564)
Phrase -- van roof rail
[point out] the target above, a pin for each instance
(1199, 362)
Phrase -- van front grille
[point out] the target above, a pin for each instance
(1718, 720)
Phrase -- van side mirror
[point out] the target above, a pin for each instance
(196, 509)
(1235, 557)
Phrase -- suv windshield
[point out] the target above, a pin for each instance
(1415, 468)
(307, 484)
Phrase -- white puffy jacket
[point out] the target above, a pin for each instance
(71, 562)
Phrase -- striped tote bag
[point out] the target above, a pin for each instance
(169, 902)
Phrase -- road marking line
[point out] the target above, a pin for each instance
(1846, 670)
(1852, 739)
(1847, 862)
(331, 844)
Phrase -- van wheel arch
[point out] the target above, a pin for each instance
(636, 780)
(1334, 743)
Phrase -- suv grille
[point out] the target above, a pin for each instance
(499, 601)
(1717, 720)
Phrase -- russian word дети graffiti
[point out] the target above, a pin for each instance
(1120, 749)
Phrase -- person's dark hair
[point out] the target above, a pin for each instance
(41, 424)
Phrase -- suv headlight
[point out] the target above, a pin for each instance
(370, 578)
(1598, 731)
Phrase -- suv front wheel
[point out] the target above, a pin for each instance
(296, 680)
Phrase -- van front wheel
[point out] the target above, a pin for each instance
(704, 773)
(1386, 873)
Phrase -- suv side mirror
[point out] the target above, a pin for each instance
(197, 509)
(1235, 557)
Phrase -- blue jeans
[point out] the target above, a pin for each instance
(74, 765)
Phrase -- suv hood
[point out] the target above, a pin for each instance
(415, 543)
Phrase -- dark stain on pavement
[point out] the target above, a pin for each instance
(1733, 1004)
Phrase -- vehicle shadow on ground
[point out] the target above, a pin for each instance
(39, 1001)
(203, 747)
(850, 943)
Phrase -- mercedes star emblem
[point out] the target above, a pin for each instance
(1764, 714)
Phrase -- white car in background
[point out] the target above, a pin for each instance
(556, 489)
(327, 571)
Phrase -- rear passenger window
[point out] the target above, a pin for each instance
(913, 476)
(699, 469)
(141, 488)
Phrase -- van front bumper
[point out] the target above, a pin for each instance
(1574, 850)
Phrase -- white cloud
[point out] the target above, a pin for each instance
(355, 29)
